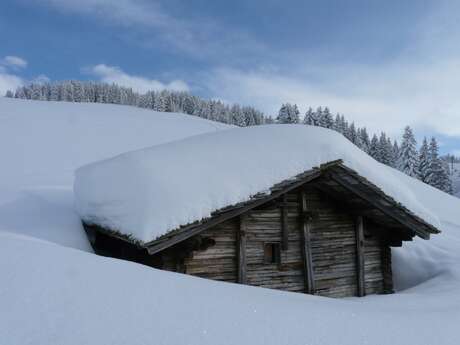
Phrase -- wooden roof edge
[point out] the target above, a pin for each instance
(431, 229)
(113, 233)
(221, 215)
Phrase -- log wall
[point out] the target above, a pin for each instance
(333, 249)
(218, 262)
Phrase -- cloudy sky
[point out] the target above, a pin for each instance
(384, 64)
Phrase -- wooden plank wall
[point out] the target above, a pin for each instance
(333, 249)
(377, 258)
(333, 244)
(218, 262)
(264, 226)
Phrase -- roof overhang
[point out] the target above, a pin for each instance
(334, 177)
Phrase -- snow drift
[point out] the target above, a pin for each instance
(148, 192)
(42, 143)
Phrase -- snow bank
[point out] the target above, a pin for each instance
(149, 192)
(81, 298)
(42, 143)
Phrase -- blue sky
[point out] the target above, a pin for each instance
(384, 64)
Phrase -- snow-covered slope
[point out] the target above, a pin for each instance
(145, 193)
(51, 294)
(69, 297)
(42, 143)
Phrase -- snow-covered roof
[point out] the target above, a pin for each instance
(147, 193)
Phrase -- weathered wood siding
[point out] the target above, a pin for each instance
(377, 261)
(264, 226)
(332, 243)
(218, 262)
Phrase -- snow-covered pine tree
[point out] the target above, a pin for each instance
(36, 93)
(237, 116)
(288, 114)
(9, 94)
(395, 154)
(408, 158)
(446, 179)
(385, 150)
(294, 114)
(337, 126)
(77, 90)
(435, 169)
(365, 142)
(324, 118)
(352, 134)
(20, 93)
(283, 114)
(309, 118)
(318, 116)
(424, 161)
(374, 149)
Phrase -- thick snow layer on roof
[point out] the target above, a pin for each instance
(149, 192)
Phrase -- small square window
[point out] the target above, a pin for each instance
(272, 253)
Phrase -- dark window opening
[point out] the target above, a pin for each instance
(272, 253)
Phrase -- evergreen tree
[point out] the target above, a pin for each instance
(446, 181)
(385, 150)
(408, 159)
(9, 94)
(294, 114)
(435, 172)
(395, 154)
(364, 139)
(352, 134)
(238, 116)
(374, 149)
(309, 118)
(325, 118)
(424, 161)
(288, 114)
(283, 114)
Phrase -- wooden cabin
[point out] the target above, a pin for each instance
(328, 232)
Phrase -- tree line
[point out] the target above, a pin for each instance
(164, 101)
(423, 163)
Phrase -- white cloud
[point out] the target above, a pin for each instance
(384, 98)
(149, 24)
(9, 82)
(13, 62)
(111, 74)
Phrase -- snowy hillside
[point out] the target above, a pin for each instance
(53, 294)
(42, 143)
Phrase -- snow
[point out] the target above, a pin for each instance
(53, 294)
(42, 143)
(85, 299)
(148, 192)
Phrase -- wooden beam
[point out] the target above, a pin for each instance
(359, 228)
(385, 209)
(241, 250)
(194, 229)
(284, 225)
(306, 245)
